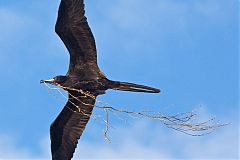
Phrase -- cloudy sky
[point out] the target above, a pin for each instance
(188, 49)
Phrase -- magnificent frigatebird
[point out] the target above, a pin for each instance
(84, 80)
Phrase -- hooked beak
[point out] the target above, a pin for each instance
(50, 81)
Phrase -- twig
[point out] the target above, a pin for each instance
(183, 122)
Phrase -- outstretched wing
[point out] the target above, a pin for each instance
(72, 27)
(69, 126)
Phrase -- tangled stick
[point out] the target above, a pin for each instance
(183, 122)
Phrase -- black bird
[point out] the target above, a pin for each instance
(84, 80)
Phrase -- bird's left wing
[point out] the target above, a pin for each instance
(72, 27)
(69, 125)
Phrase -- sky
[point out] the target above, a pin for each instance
(188, 49)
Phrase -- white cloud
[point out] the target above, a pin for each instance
(135, 15)
(9, 150)
(144, 142)
(154, 24)
(140, 141)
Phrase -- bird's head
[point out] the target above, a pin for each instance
(56, 80)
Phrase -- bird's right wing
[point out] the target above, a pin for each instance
(72, 27)
(69, 126)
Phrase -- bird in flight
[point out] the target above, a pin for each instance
(84, 80)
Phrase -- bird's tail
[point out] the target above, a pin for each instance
(125, 86)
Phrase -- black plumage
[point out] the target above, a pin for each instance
(69, 125)
(84, 80)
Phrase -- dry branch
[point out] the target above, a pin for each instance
(186, 122)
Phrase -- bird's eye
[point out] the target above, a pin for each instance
(55, 79)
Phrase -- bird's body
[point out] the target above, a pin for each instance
(84, 80)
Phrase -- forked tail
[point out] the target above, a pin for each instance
(125, 86)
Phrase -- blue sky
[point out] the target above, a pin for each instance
(188, 49)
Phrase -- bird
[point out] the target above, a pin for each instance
(83, 82)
